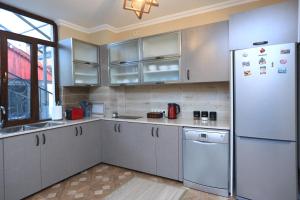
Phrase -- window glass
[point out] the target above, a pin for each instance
(19, 80)
(14, 22)
(46, 81)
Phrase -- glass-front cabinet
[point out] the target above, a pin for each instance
(160, 46)
(124, 74)
(79, 63)
(148, 60)
(165, 70)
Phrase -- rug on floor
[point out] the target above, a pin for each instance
(142, 189)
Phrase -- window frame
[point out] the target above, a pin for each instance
(34, 42)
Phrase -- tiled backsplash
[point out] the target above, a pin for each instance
(142, 99)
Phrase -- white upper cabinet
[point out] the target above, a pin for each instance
(161, 45)
(124, 52)
(275, 24)
(85, 52)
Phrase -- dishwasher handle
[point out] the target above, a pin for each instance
(205, 143)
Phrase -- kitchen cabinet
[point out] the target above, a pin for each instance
(205, 53)
(22, 166)
(88, 145)
(57, 151)
(123, 52)
(275, 24)
(124, 74)
(1, 171)
(79, 63)
(167, 151)
(160, 46)
(104, 70)
(152, 149)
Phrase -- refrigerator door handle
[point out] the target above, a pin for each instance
(260, 43)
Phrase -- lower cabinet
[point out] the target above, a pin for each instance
(1, 172)
(35, 161)
(22, 166)
(147, 148)
(57, 151)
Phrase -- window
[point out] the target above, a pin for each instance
(28, 63)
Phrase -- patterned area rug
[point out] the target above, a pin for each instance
(142, 189)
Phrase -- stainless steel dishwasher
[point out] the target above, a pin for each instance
(206, 160)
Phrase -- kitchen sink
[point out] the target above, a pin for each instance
(28, 127)
(128, 117)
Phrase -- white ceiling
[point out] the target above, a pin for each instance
(89, 14)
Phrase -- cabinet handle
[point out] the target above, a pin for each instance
(152, 131)
(260, 43)
(157, 133)
(119, 128)
(188, 74)
(76, 129)
(37, 140)
(80, 130)
(44, 138)
(115, 128)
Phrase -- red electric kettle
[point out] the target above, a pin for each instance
(173, 110)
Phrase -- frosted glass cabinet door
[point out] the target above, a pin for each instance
(166, 70)
(86, 74)
(161, 45)
(85, 52)
(124, 74)
(124, 52)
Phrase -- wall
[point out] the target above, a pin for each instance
(138, 100)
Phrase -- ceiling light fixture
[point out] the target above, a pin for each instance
(140, 6)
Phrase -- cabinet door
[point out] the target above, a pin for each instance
(124, 52)
(1, 172)
(167, 151)
(85, 74)
(111, 151)
(104, 65)
(127, 73)
(56, 155)
(205, 53)
(138, 147)
(85, 52)
(22, 169)
(161, 45)
(276, 24)
(89, 145)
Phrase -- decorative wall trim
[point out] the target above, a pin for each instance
(167, 18)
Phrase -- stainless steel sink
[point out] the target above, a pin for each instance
(14, 129)
(28, 127)
(128, 117)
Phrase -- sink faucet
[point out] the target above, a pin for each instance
(2, 113)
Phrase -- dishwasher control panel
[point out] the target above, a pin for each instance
(206, 135)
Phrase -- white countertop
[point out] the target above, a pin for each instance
(222, 125)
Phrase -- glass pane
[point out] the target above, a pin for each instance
(161, 71)
(161, 45)
(85, 74)
(25, 25)
(124, 52)
(19, 80)
(85, 52)
(124, 74)
(46, 81)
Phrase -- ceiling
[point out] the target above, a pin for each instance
(94, 13)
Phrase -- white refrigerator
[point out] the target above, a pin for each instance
(265, 122)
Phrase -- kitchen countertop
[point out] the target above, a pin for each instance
(222, 125)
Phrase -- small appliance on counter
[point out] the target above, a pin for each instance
(213, 116)
(173, 110)
(74, 113)
(87, 107)
(155, 115)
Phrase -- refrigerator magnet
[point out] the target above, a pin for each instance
(282, 70)
(247, 73)
(283, 61)
(246, 64)
(285, 51)
(245, 55)
(262, 61)
(263, 70)
(272, 64)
